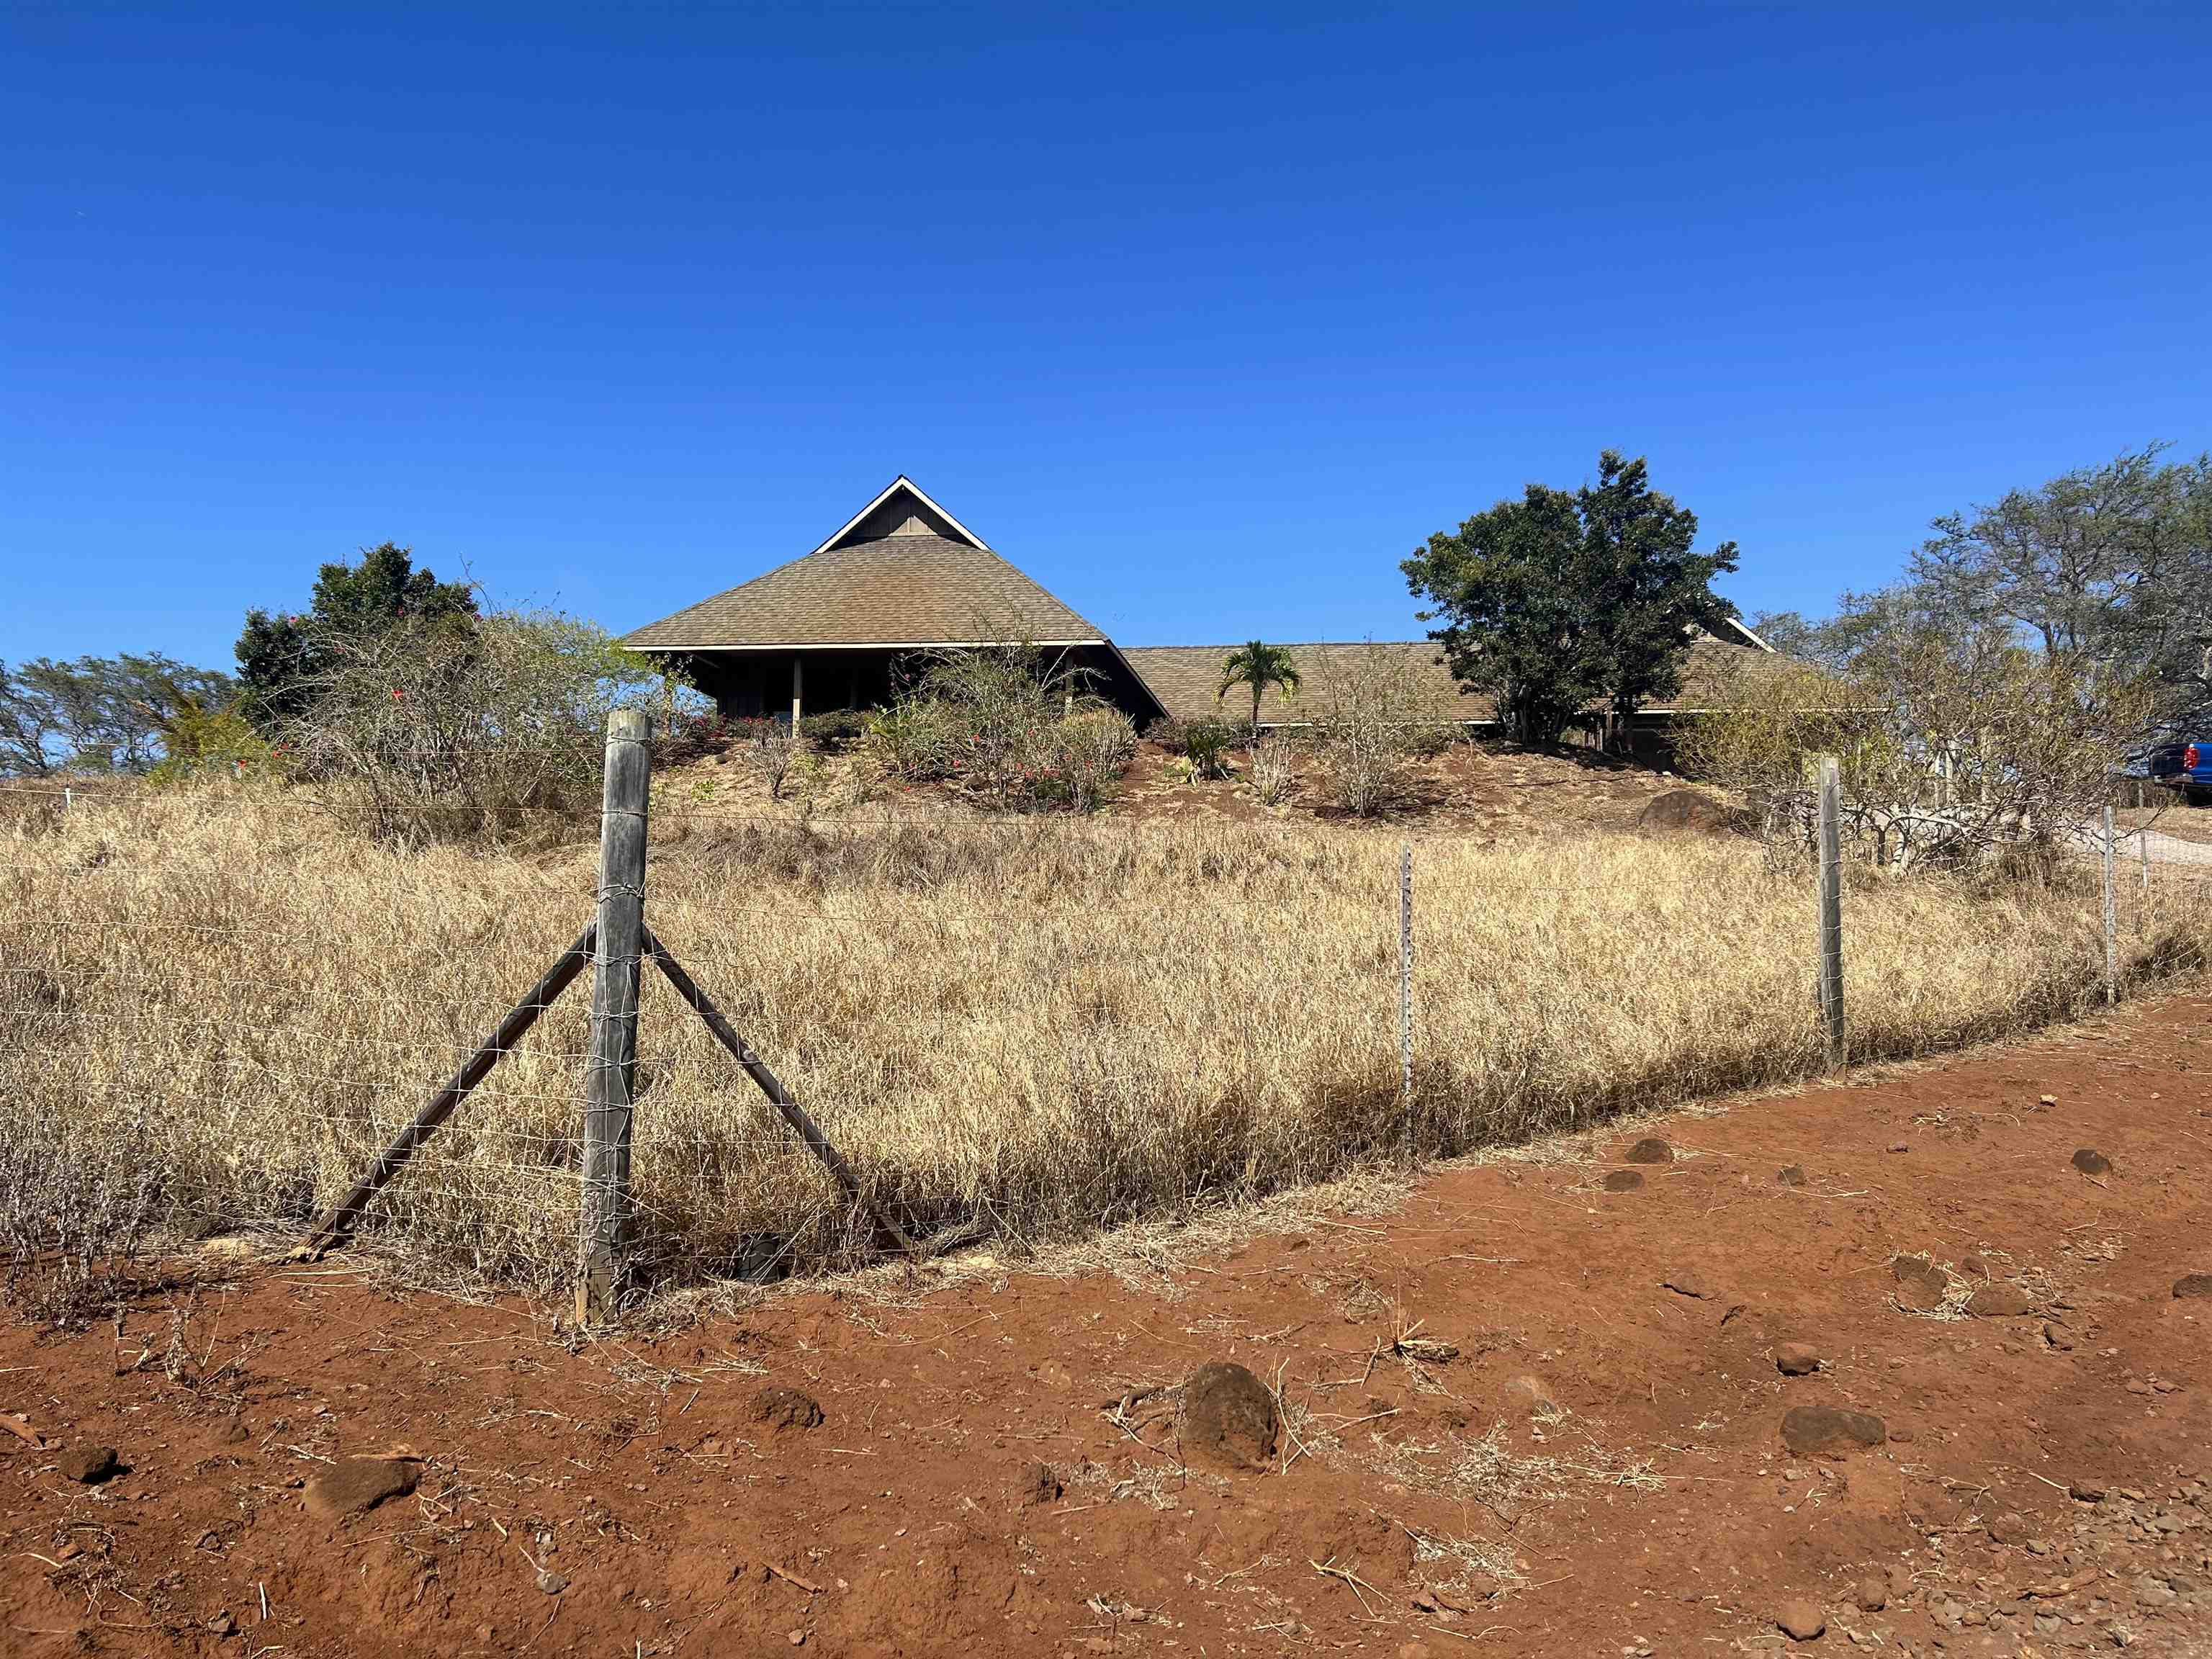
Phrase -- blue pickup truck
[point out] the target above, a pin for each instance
(2186, 767)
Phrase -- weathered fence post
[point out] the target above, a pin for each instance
(610, 1073)
(1832, 909)
(2111, 917)
(1406, 989)
(2143, 846)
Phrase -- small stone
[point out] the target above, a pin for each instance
(1790, 1175)
(2046, 1100)
(798, 1638)
(1900, 1146)
(2009, 1528)
(2091, 1162)
(1972, 1263)
(1623, 1181)
(1650, 1150)
(1872, 1592)
(355, 1486)
(87, 1465)
(2190, 1285)
(2058, 1337)
(1830, 1431)
(1800, 1620)
(551, 1582)
(223, 1625)
(1998, 1302)
(2087, 1492)
(1797, 1358)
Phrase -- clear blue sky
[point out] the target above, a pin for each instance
(1203, 323)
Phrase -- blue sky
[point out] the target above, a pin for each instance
(1205, 324)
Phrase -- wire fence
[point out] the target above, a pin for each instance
(1015, 1028)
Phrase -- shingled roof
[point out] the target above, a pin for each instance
(1186, 677)
(902, 572)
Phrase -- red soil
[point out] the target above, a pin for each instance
(669, 1517)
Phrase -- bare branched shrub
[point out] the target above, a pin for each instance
(460, 727)
(771, 750)
(1950, 745)
(1365, 711)
(1272, 767)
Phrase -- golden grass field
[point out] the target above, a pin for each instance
(1057, 1025)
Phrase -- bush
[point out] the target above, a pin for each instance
(1018, 734)
(1366, 719)
(460, 727)
(77, 1199)
(1206, 743)
(833, 728)
(202, 742)
(1272, 771)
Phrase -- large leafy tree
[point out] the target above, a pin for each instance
(1259, 665)
(1563, 600)
(96, 714)
(283, 656)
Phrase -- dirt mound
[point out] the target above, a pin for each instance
(1691, 811)
(355, 1486)
(1229, 1419)
(780, 1409)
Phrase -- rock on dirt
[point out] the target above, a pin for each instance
(355, 1486)
(1998, 1302)
(1797, 1358)
(786, 1408)
(87, 1465)
(2009, 1528)
(1686, 809)
(1650, 1150)
(1038, 1484)
(551, 1583)
(1871, 1593)
(1800, 1620)
(1229, 1419)
(1920, 1282)
(1623, 1181)
(2091, 1162)
(1830, 1431)
(2191, 1285)
(1790, 1175)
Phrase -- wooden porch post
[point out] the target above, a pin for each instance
(798, 688)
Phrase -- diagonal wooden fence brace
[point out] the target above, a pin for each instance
(778, 1095)
(519, 1019)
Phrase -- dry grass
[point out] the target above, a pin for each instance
(1056, 1026)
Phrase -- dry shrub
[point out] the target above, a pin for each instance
(78, 1195)
(1365, 715)
(1054, 1024)
(1273, 768)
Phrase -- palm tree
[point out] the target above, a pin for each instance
(1259, 665)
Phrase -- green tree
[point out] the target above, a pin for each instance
(283, 655)
(96, 714)
(1259, 665)
(1564, 599)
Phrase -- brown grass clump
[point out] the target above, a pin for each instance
(1054, 1026)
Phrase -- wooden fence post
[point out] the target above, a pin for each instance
(610, 1073)
(2111, 917)
(1832, 909)
(1406, 989)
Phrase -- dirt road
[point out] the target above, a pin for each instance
(1525, 1414)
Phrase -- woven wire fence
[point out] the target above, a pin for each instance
(1007, 1028)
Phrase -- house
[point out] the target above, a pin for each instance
(902, 578)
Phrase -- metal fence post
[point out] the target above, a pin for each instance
(2111, 917)
(1406, 989)
(610, 1073)
(1832, 909)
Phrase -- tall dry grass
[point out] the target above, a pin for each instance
(1055, 1026)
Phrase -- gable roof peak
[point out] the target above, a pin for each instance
(901, 507)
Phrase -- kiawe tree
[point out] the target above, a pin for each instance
(284, 656)
(1259, 665)
(1563, 600)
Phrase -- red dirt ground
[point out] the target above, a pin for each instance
(1653, 1509)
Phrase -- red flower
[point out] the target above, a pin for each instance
(398, 696)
